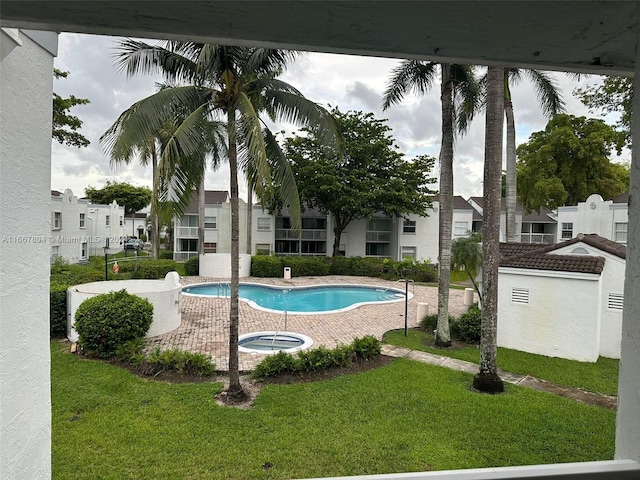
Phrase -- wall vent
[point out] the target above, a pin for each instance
(616, 301)
(520, 296)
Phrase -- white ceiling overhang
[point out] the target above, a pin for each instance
(585, 36)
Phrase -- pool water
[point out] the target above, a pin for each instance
(303, 300)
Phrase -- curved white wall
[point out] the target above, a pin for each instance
(218, 265)
(165, 296)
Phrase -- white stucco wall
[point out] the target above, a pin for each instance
(70, 236)
(560, 319)
(612, 281)
(594, 215)
(26, 86)
(425, 239)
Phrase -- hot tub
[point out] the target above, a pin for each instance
(165, 296)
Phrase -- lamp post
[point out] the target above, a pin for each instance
(406, 304)
(106, 259)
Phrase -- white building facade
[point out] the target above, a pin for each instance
(607, 218)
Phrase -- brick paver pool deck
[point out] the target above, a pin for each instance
(205, 320)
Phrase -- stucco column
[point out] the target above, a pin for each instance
(628, 419)
(26, 86)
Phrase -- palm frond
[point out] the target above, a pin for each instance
(547, 92)
(268, 60)
(251, 147)
(468, 95)
(409, 75)
(138, 57)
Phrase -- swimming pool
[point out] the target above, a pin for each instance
(307, 300)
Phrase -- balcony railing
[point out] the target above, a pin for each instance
(187, 232)
(307, 234)
(538, 237)
(379, 237)
(183, 256)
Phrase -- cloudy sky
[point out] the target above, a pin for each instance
(348, 82)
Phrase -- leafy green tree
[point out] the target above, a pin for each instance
(65, 125)
(460, 99)
(551, 104)
(487, 379)
(130, 197)
(369, 176)
(221, 93)
(614, 94)
(568, 161)
(466, 256)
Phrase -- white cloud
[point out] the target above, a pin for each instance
(348, 82)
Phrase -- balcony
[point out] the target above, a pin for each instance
(538, 238)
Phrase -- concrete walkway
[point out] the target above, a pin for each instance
(528, 381)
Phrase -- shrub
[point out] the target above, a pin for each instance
(192, 266)
(341, 265)
(165, 255)
(108, 321)
(75, 274)
(281, 363)
(153, 269)
(58, 309)
(306, 266)
(367, 347)
(180, 361)
(318, 359)
(315, 359)
(429, 323)
(468, 327)
(368, 267)
(266, 266)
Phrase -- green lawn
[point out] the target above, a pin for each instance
(600, 377)
(407, 416)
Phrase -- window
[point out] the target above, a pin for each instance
(121, 220)
(82, 218)
(264, 223)
(55, 253)
(57, 220)
(188, 245)
(620, 232)
(461, 229)
(408, 252)
(615, 301)
(83, 251)
(210, 223)
(520, 295)
(409, 226)
(263, 249)
(189, 221)
(106, 220)
(567, 230)
(210, 247)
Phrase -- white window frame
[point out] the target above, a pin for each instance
(263, 247)
(409, 226)
(57, 221)
(82, 220)
(83, 250)
(210, 223)
(566, 232)
(620, 230)
(408, 251)
(107, 220)
(121, 220)
(264, 224)
(55, 253)
(457, 230)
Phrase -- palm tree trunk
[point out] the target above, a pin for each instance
(235, 389)
(249, 216)
(155, 231)
(487, 379)
(511, 171)
(201, 212)
(443, 336)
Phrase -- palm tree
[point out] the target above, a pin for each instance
(551, 103)
(487, 379)
(460, 98)
(466, 255)
(226, 90)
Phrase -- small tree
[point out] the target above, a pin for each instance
(466, 255)
(130, 197)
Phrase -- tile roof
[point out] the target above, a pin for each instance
(558, 263)
(596, 241)
(539, 257)
(460, 203)
(211, 197)
(622, 198)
